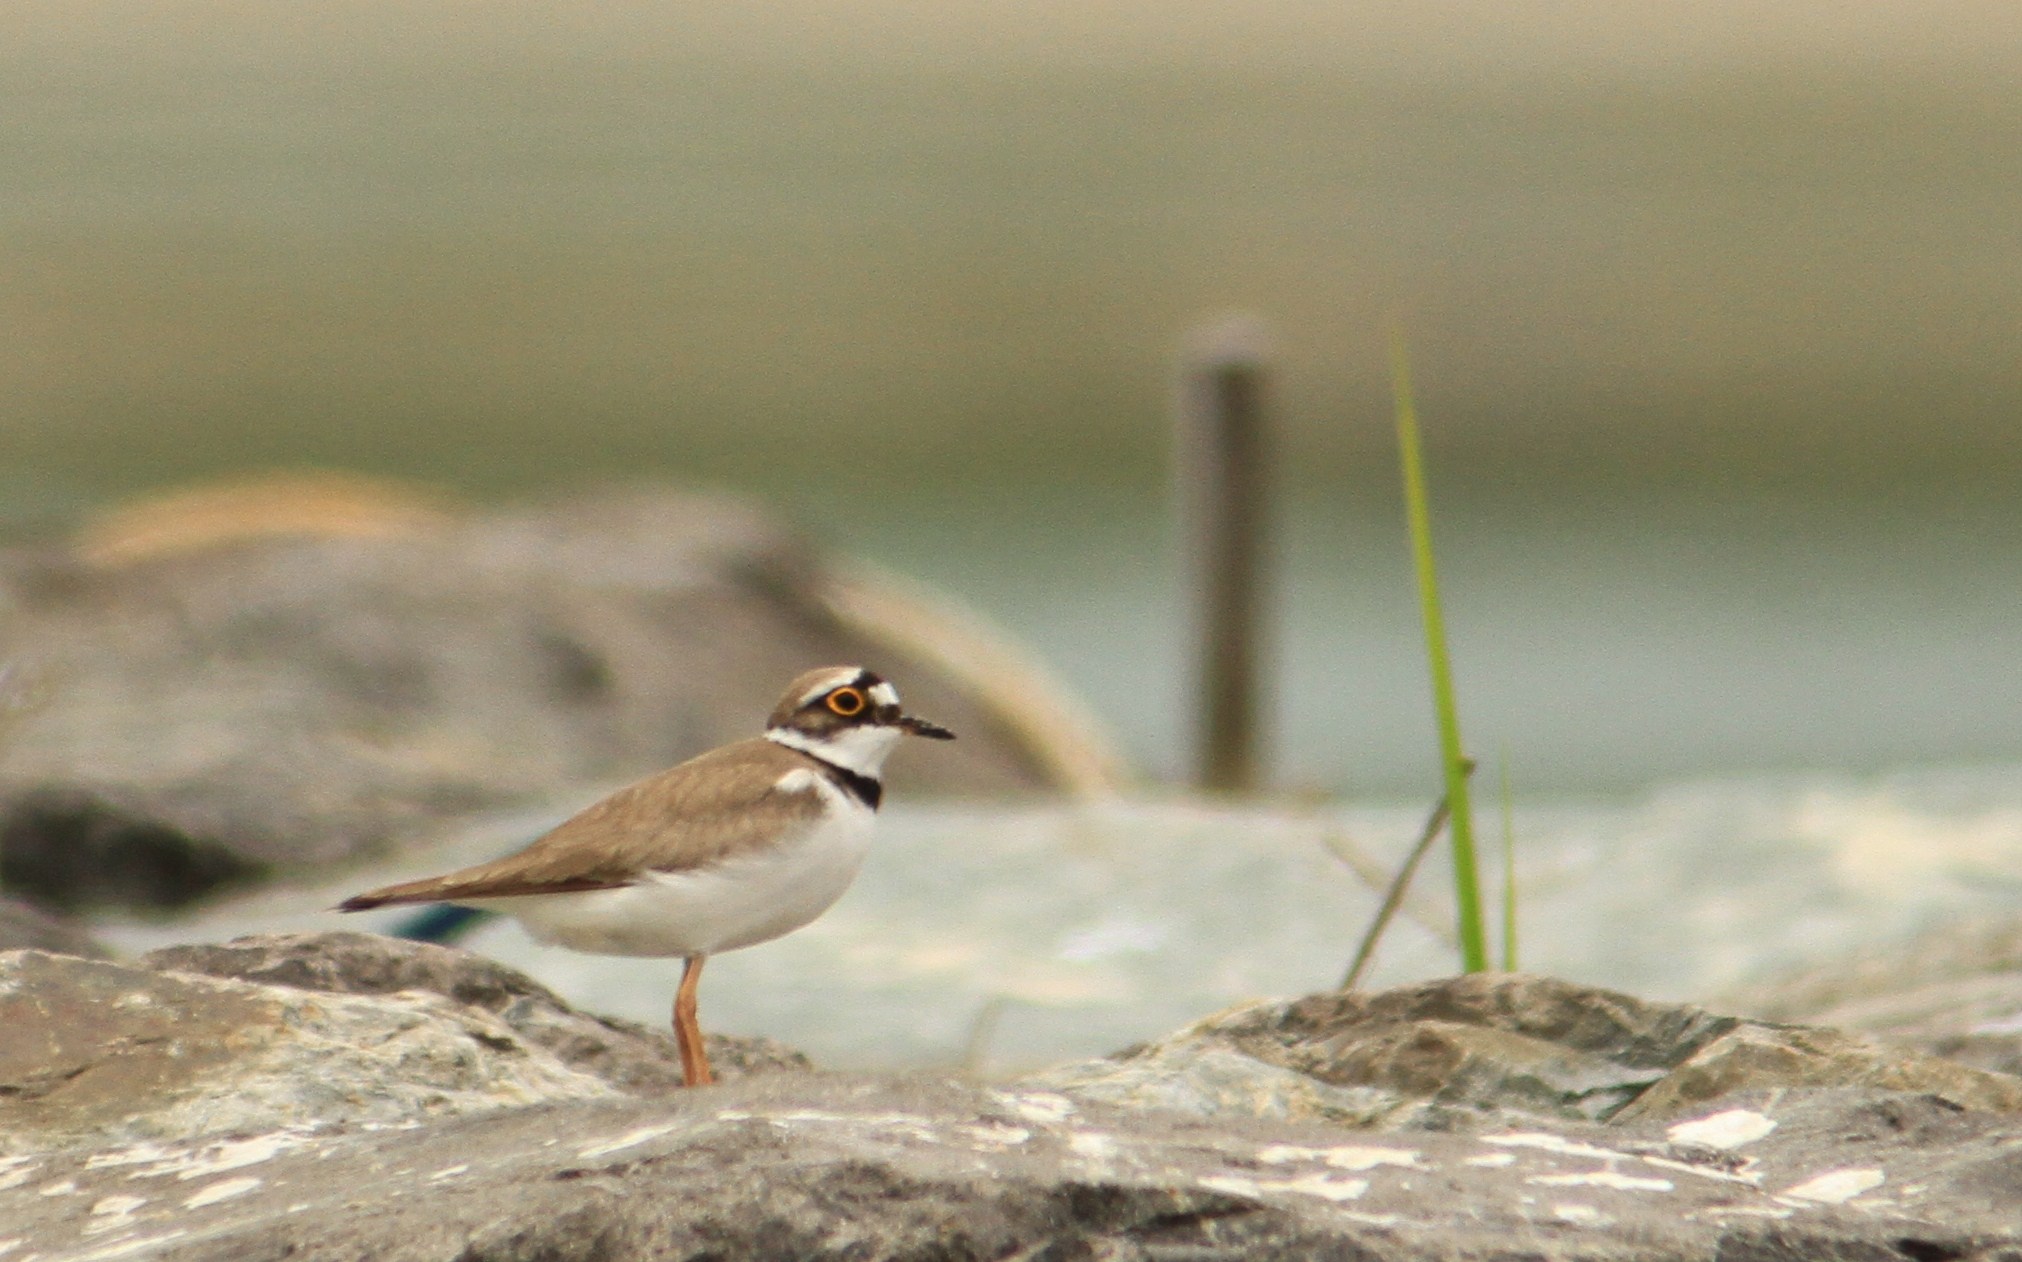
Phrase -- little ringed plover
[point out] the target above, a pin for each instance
(734, 847)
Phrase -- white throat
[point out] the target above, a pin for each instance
(859, 749)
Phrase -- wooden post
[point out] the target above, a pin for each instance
(1223, 487)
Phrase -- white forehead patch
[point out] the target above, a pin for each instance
(884, 694)
(834, 679)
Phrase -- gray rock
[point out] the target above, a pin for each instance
(209, 715)
(1954, 992)
(99, 1053)
(823, 1167)
(625, 1054)
(23, 927)
(266, 1034)
(1498, 1049)
(428, 1109)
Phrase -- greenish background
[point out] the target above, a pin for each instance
(1716, 312)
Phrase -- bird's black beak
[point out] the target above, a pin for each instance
(920, 727)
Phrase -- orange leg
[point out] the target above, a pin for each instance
(688, 1031)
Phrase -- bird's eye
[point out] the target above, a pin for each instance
(847, 702)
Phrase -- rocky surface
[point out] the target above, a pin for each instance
(1498, 1117)
(625, 1054)
(840, 1168)
(266, 1034)
(1498, 1050)
(207, 711)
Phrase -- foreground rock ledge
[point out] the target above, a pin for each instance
(828, 1167)
(1806, 1144)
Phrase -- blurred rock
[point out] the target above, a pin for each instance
(23, 927)
(1954, 992)
(216, 706)
(338, 1030)
(1497, 1049)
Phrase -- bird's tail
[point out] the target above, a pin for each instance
(425, 891)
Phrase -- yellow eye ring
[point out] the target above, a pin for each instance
(847, 702)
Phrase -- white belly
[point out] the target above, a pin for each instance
(736, 903)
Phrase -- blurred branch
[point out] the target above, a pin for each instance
(1376, 875)
(1400, 883)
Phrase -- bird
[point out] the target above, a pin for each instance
(737, 846)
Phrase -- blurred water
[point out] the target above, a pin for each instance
(1595, 649)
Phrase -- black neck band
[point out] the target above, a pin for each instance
(863, 788)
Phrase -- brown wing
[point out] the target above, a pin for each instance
(685, 817)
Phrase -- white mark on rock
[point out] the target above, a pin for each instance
(120, 1205)
(1492, 1160)
(1319, 1185)
(1552, 1143)
(1043, 1107)
(1324, 1187)
(1741, 1211)
(1745, 1212)
(113, 1213)
(127, 1248)
(232, 1155)
(15, 1171)
(995, 1136)
(1374, 1220)
(898, 1123)
(62, 1187)
(1835, 1187)
(10, 1245)
(450, 1172)
(1580, 1215)
(1092, 1144)
(133, 1156)
(1603, 1179)
(630, 1139)
(1347, 1157)
(1747, 1177)
(222, 1190)
(1234, 1184)
(1726, 1130)
(839, 1119)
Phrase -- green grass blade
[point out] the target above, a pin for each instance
(1460, 828)
(1509, 955)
